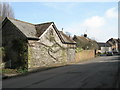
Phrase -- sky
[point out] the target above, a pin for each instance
(99, 20)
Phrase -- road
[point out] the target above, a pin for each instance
(101, 72)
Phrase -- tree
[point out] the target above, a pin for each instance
(6, 10)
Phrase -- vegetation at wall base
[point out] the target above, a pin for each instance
(14, 71)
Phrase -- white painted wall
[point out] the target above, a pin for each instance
(106, 49)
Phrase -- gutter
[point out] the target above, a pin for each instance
(33, 38)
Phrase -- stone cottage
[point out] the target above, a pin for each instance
(35, 45)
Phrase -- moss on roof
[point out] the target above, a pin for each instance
(41, 28)
(66, 39)
(85, 42)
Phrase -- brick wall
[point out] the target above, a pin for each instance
(84, 55)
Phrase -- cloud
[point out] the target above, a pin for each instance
(94, 22)
(92, 26)
(112, 13)
(99, 27)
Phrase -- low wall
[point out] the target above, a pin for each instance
(84, 55)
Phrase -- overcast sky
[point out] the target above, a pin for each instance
(97, 19)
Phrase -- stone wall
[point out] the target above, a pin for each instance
(70, 55)
(42, 55)
(84, 55)
(49, 51)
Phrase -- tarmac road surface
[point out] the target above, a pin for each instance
(101, 72)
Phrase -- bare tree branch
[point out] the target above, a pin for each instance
(6, 10)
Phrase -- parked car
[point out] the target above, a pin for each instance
(116, 53)
(109, 53)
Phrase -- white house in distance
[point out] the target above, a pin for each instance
(104, 47)
(115, 44)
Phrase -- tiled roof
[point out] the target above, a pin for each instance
(33, 31)
(112, 41)
(41, 28)
(66, 39)
(83, 39)
(103, 44)
(83, 42)
(30, 30)
(26, 28)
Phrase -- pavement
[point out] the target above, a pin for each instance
(101, 72)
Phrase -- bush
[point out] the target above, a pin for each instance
(22, 70)
(79, 49)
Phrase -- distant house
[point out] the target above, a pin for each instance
(35, 45)
(104, 47)
(115, 43)
(85, 43)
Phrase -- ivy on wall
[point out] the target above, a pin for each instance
(21, 48)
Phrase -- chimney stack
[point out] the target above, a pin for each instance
(85, 35)
(62, 29)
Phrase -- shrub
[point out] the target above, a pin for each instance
(78, 49)
(20, 47)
